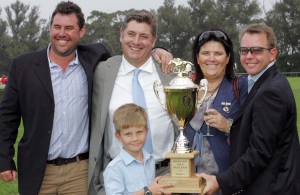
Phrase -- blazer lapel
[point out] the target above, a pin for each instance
(42, 70)
(110, 76)
(254, 89)
(165, 78)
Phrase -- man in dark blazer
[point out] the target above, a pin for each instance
(30, 95)
(264, 145)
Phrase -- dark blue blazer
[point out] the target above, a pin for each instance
(218, 142)
(264, 145)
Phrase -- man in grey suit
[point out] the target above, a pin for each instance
(113, 88)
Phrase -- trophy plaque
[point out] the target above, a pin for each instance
(181, 104)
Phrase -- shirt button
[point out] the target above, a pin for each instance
(49, 132)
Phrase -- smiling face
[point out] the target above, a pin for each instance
(133, 139)
(137, 42)
(255, 63)
(65, 35)
(212, 59)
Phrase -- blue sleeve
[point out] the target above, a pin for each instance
(114, 181)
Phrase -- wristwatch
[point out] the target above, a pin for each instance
(147, 191)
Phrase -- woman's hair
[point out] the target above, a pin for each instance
(213, 35)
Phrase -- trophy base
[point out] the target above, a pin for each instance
(183, 185)
(182, 174)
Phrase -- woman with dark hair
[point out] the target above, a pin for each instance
(213, 57)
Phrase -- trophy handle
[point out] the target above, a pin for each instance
(157, 86)
(204, 87)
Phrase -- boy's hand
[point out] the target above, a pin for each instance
(156, 188)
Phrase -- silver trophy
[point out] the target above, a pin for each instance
(181, 101)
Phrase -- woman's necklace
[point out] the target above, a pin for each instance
(213, 91)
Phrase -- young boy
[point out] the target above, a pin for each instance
(132, 171)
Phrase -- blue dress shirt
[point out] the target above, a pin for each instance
(252, 80)
(70, 125)
(126, 175)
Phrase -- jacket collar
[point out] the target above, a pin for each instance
(255, 88)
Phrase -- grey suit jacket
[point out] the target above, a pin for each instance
(104, 79)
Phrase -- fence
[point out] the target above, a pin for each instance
(291, 74)
(287, 74)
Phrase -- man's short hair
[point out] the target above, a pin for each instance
(68, 7)
(258, 29)
(142, 16)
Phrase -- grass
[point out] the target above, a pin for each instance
(11, 187)
(295, 84)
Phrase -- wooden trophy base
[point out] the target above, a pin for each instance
(182, 174)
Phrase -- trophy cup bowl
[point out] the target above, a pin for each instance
(181, 104)
(181, 101)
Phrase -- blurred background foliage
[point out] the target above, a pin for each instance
(22, 30)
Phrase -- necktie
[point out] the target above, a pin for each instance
(250, 84)
(139, 99)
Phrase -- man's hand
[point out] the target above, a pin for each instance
(163, 57)
(211, 183)
(8, 176)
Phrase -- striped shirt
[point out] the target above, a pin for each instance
(70, 125)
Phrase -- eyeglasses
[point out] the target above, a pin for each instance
(217, 33)
(253, 50)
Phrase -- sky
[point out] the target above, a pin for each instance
(46, 7)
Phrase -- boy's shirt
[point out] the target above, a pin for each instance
(126, 175)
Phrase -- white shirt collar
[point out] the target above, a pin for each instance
(256, 77)
(74, 62)
(126, 67)
(252, 80)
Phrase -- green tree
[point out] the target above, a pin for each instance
(25, 28)
(227, 15)
(174, 29)
(232, 15)
(4, 43)
(285, 20)
(105, 28)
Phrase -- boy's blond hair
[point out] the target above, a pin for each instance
(130, 115)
